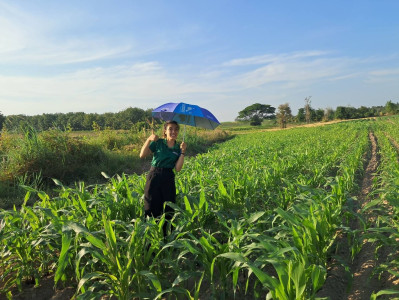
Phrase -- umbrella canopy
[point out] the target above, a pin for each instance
(187, 114)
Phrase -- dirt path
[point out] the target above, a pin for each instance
(339, 284)
(363, 284)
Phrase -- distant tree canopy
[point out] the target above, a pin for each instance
(391, 108)
(284, 115)
(349, 112)
(328, 114)
(78, 121)
(309, 114)
(256, 113)
(136, 118)
(2, 119)
(346, 112)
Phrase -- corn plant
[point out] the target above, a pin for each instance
(25, 256)
(122, 261)
(386, 205)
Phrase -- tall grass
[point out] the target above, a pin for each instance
(33, 159)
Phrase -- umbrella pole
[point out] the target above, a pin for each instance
(184, 133)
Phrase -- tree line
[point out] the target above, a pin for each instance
(129, 118)
(137, 118)
(257, 112)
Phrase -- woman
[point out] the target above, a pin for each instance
(160, 186)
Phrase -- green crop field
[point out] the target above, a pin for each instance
(257, 217)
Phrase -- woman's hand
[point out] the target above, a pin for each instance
(183, 147)
(153, 137)
(180, 161)
(145, 150)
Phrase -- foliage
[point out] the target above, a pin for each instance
(348, 112)
(2, 120)
(255, 121)
(308, 109)
(53, 154)
(391, 108)
(79, 121)
(256, 113)
(284, 115)
(342, 113)
(308, 114)
(328, 114)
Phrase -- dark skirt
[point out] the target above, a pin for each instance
(159, 188)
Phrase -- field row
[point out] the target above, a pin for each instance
(384, 230)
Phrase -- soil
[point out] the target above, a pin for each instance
(339, 283)
(45, 291)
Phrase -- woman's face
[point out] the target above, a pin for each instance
(171, 132)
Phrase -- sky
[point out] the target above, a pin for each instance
(105, 56)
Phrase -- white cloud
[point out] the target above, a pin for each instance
(383, 76)
(221, 89)
(270, 58)
(296, 69)
(15, 33)
(97, 89)
(385, 72)
(28, 39)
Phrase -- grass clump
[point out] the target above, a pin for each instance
(31, 158)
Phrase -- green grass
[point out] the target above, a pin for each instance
(245, 126)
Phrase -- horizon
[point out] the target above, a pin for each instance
(75, 112)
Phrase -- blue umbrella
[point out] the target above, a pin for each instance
(187, 114)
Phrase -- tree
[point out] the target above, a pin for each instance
(2, 120)
(340, 113)
(284, 115)
(256, 112)
(318, 115)
(130, 116)
(328, 114)
(300, 117)
(346, 112)
(308, 109)
(255, 121)
(351, 112)
(390, 108)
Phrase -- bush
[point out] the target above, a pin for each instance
(53, 153)
(255, 121)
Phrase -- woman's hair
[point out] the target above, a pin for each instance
(165, 126)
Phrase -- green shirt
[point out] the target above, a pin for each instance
(164, 157)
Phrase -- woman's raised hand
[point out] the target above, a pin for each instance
(183, 147)
(145, 150)
(153, 137)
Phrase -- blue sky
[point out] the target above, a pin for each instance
(106, 56)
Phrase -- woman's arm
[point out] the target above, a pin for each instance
(145, 150)
(179, 163)
(180, 160)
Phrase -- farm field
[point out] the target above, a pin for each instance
(293, 214)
